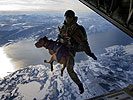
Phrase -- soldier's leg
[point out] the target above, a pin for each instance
(73, 75)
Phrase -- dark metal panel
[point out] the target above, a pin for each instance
(118, 12)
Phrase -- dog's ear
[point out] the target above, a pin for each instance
(59, 29)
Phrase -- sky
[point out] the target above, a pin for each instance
(41, 5)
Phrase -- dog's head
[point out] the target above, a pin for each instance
(42, 42)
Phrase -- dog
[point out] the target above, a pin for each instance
(60, 52)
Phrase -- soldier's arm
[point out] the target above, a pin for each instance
(85, 44)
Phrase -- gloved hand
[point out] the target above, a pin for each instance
(93, 56)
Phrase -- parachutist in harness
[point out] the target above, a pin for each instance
(74, 36)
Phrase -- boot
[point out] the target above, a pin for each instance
(93, 56)
(81, 88)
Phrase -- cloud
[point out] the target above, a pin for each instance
(29, 5)
(17, 7)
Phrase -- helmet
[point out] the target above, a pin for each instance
(69, 13)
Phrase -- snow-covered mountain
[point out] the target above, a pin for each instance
(14, 27)
(113, 71)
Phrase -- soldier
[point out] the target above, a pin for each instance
(74, 36)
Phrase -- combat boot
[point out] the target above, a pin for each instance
(81, 88)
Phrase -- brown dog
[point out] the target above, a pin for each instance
(60, 53)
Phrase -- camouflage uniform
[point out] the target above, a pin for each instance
(74, 36)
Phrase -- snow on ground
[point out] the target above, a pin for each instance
(129, 49)
(112, 71)
(29, 91)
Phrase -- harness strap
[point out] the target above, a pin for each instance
(71, 54)
(58, 49)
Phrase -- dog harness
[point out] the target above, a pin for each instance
(58, 48)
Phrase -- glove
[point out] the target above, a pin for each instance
(93, 56)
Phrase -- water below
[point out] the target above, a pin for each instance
(24, 53)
